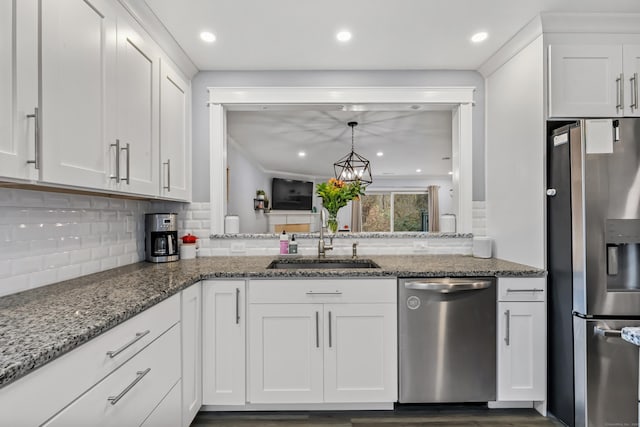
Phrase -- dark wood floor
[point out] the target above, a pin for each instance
(459, 416)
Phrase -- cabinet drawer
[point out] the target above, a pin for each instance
(56, 384)
(129, 395)
(333, 291)
(522, 288)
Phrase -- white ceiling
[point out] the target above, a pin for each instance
(409, 139)
(387, 34)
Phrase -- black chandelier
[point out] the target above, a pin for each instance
(353, 167)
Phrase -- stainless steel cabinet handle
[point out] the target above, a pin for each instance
(524, 290)
(317, 329)
(237, 306)
(127, 149)
(634, 92)
(139, 375)
(168, 186)
(138, 337)
(507, 338)
(607, 332)
(324, 293)
(619, 94)
(329, 329)
(117, 175)
(36, 135)
(447, 288)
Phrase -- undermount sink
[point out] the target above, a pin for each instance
(295, 264)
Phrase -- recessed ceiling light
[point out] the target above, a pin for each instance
(418, 170)
(208, 36)
(301, 154)
(379, 154)
(479, 37)
(450, 172)
(343, 36)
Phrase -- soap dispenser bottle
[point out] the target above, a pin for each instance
(284, 243)
(293, 245)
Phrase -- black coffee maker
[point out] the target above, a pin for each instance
(161, 237)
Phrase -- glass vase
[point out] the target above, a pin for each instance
(332, 222)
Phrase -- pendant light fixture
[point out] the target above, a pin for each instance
(353, 167)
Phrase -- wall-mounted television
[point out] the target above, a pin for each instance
(289, 194)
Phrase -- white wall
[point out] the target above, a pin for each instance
(515, 157)
(206, 79)
(245, 177)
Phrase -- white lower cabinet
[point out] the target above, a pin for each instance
(522, 351)
(360, 357)
(328, 341)
(131, 393)
(167, 413)
(286, 346)
(223, 332)
(191, 324)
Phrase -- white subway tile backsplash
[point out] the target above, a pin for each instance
(48, 237)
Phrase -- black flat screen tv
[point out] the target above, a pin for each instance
(288, 194)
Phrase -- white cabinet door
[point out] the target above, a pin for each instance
(191, 323)
(9, 152)
(285, 353)
(631, 60)
(360, 353)
(18, 88)
(224, 362)
(167, 413)
(78, 40)
(584, 80)
(522, 351)
(174, 135)
(138, 73)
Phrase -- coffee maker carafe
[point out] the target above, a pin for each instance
(161, 237)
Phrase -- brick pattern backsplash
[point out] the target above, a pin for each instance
(49, 237)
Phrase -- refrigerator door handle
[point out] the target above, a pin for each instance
(607, 332)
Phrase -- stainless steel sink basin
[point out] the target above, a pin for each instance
(294, 264)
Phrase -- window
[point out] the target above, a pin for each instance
(395, 211)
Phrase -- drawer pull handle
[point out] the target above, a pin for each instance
(138, 337)
(525, 290)
(139, 375)
(324, 293)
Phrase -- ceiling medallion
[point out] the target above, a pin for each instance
(353, 167)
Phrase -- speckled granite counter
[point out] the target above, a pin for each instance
(39, 325)
(632, 335)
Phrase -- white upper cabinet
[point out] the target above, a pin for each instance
(19, 85)
(175, 149)
(136, 138)
(78, 42)
(593, 80)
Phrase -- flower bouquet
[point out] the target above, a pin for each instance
(335, 194)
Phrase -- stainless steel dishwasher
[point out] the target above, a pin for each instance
(447, 340)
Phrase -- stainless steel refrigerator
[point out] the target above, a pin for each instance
(593, 247)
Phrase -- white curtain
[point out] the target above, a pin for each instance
(356, 215)
(434, 208)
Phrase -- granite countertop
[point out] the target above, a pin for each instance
(631, 334)
(38, 325)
